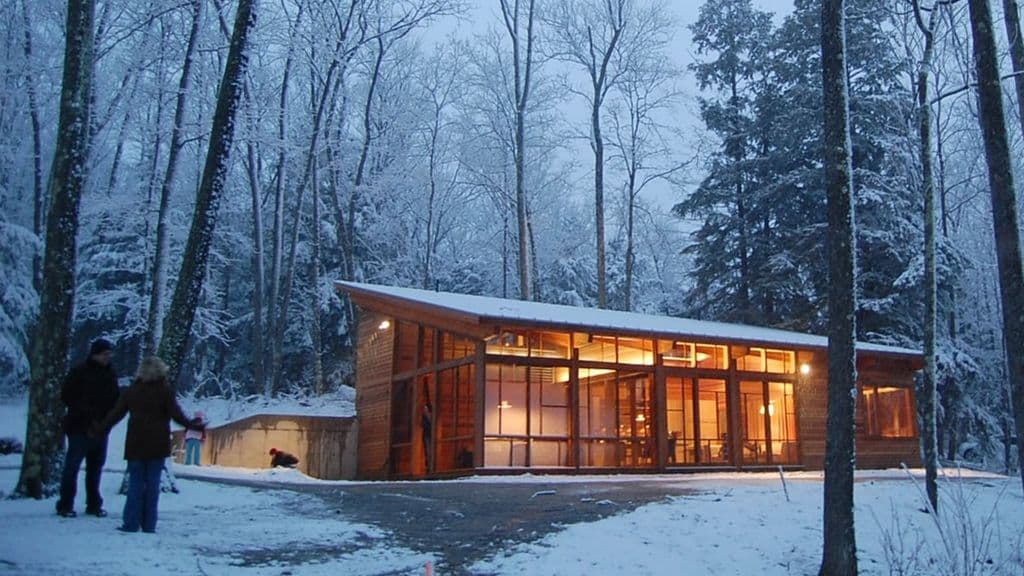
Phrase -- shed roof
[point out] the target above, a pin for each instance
(486, 311)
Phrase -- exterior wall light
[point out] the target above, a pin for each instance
(805, 369)
(384, 325)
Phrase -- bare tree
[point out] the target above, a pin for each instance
(1011, 18)
(38, 194)
(49, 355)
(159, 277)
(519, 21)
(924, 123)
(606, 39)
(839, 549)
(639, 143)
(178, 323)
(1004, 205)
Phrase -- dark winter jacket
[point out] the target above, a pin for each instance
(89, 392)
(283, 459)
(152, 406)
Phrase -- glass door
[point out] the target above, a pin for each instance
(697, 416)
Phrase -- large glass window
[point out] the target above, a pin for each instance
(694, 354)
(887, 411)
(454, 418)
(454, 346)
(753, 432)
(616, 414)
(698, 421)
(527, 419)
(768, 418)
(782, 419)
(529, 343)
(755, 359)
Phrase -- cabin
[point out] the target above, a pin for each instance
(453, 384)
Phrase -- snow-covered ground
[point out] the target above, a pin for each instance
(731, 524)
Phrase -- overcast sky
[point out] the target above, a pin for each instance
(484, 13)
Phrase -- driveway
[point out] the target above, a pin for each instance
(466, 521)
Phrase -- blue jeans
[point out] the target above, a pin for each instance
(94, 452)
(193, 447)
(143, 494)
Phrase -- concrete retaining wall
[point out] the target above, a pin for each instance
(325, 445)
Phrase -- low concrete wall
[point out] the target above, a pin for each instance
(325, 445)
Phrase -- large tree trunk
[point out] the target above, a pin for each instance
(1011, 14)
(927, 409)
(159, 278)
(839, 554)
(1004, 206)
(40, 467)
(178, 324)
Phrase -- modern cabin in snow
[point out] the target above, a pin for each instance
(450, 384)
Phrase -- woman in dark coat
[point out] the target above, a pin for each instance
(152, 406)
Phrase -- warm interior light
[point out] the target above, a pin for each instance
(641, 418)
(384, 325)
(701, 356)
(504, 405)
(805, 369)
(771, 409)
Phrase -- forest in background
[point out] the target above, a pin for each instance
(518, 161)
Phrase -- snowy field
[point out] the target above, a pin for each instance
(732, 524)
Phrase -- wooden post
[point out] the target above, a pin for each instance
(574, 398)
(481, 394)
(660, 413)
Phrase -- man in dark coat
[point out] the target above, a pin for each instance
(151, 403)
(89, 392)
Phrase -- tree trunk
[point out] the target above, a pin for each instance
(252, 169)
(159, 279)
(314, 281)
(277, 242)
(598, 144)
(522, 65)
(40, 468)
(1004, 206)
(38, 194)
(1016, 43)
(839, 554)
(927, 407)
(277, 378)
(630, 217)
(178, 324)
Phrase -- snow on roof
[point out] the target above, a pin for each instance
(500, 310)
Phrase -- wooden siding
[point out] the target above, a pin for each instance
(812, 406)
(374, 352)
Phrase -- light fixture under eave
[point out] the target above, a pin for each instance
(504, 405)
(384, 325)
(805, 369)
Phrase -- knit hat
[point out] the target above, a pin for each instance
(273, 451)
(99, 346)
